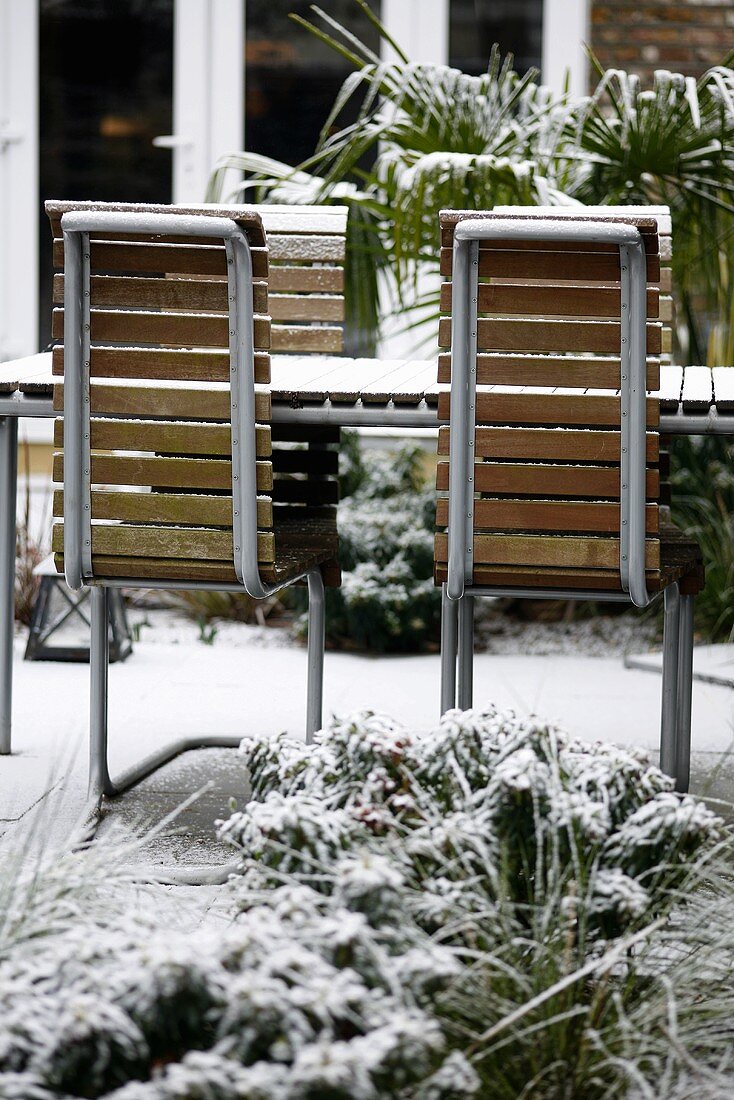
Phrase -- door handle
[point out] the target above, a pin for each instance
(172, 141)
(9, 137)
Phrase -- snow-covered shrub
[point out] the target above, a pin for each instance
(302, 997)
(387, 601)
(482, 910)
(508, 809)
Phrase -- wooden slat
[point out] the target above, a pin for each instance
(128, 540)
(290, 248)
(306, 307)
(303, 217)
(193, 295)
(167, 436)
(671, 381)
(574, 267)
(556, 551)
(248, 217)
(198, 295)
(723, 380)
(536, 480)
(307, 338)
(29, 370)
(547, 515)
(297, 280)
(697, 395)
(651, 241)
(541, 444)
(572, 372)
(646, 224)
(316, 248)
(132, 399)
(518, 576)
(163, 364)
(162, 258)
(189, 329)
(602, 337)
(193, 509)
(537, 407)
(547, 300)
(165, 473)
(665, 308)
(659, 214)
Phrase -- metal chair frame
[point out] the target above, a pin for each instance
(78, 565)
(458, 592)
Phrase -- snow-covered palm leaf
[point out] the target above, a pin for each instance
(269, 180)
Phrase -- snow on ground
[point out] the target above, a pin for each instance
(252, 680)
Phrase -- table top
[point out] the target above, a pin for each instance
(386, 392)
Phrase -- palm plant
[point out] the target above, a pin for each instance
(672, 145)
(425, 136)
(428, 136)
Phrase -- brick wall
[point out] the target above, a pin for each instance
(686, 36)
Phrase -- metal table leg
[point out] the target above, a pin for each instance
(8, 492)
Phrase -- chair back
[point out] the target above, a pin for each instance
(306, 253)
(150, 358)
(556, 445)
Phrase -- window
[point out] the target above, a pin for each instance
(475, 25)
(292, 79)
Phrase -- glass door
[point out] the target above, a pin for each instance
(291, 78)
(18, 179)
(106, 91)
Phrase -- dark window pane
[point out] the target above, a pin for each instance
(291, 78)
(475, 25)
(105, 93)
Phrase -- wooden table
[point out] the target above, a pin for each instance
(313, 390)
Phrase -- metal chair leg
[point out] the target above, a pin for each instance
(449, 641)
(466, 651)
(8, 490)
(316, 641)
(100, 783)
(669, 710)
(685, 685)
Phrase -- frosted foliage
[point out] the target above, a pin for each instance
(302, 997)
(400, 891)
(463, 810)
(387, 600)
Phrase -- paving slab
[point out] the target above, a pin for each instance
(712, 664)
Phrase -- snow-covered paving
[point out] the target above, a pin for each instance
(170, 689)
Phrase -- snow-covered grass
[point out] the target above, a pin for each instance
(490, 910)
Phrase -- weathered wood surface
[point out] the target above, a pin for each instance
(161, 431)
(312, 380)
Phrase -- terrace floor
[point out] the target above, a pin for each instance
(249, 682)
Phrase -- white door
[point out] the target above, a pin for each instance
(18, 179)
(86, 92)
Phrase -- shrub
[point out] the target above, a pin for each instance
(387, 601)
(487, 909)
(703, 504)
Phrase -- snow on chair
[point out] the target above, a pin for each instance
(165, 449)
(548, 474)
